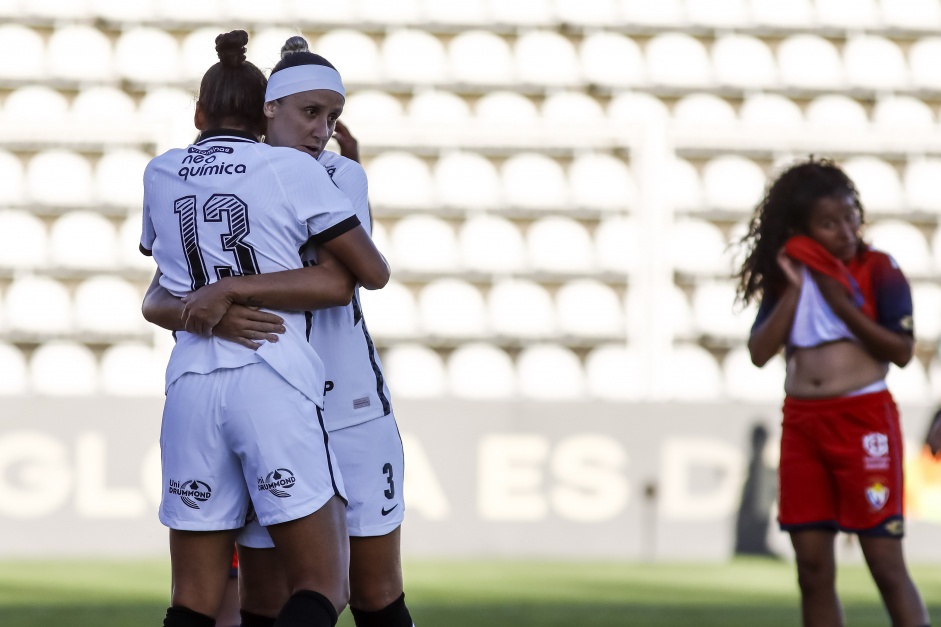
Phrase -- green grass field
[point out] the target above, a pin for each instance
(492, 593)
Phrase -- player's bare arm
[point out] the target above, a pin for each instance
(884, 344)
(356, 250)
(767, 338)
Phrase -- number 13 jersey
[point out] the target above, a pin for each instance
(229, 205)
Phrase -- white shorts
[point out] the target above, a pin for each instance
(239, 439)
(372, 463)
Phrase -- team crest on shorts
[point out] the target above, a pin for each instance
(877, 495)
(192, 492)
(876, 446)
(277, 481)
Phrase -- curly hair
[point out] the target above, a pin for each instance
(785, 211)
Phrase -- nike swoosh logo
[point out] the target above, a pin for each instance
(386, 512)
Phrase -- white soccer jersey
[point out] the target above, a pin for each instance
(355, 389)
(229, 205)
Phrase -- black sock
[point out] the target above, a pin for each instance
(179, 616)
(255, 620)
(307, 608)
(394, 614)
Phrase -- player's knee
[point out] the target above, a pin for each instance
(394, 614)
(180, 616)
(374, 595)
(815, 573)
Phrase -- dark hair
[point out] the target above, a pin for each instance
(785, 211)
(233, 89)
(295, 51)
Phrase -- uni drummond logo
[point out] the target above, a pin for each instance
(277, 481)
(192, 492)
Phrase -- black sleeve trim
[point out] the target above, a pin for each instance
(144, 251)
(336, 230)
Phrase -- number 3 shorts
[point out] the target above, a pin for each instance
(241, 437)
(371, 462)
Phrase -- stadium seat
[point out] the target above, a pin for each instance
(926, 298)
(589, 309)
(561, 245)
(733, 183)
(83, 240)
(23, 241)
(438, 107)
(255, 12)
(394, 312)
(877, 182)
(452, 308)
(187, 12)
(414, 371)
(471, 12)
(904, 242)
(380, 238)
(63, 369)
(137, 12)
(698, 248)
(746, 382)
(119, 177)
(715, 312)
(703, 110)
(481, 371)
(611, 59)
(36, 304)
(506, 110)
(400, 180)
(668, 13)
(198, 52)
(534, 181)
(903, 113)
(910, 384)
(103, 106)
(547, 372)
(15, 380)
(848, 13)
(22, 53)
(923, 63)
(836, 111)
(58, 9)
(382, 12)
(147, 55)
(743, 61)
(694, 374)
(545, 58)
(371, 107)
(107, 305)
(80, 53)
(520, 309)
(681, 315)
(617, 245)
(685, 191)
(912, 14)
(319, 13)
(587, 12)
(678, 60)
(522, 12)
(467, 180)
(810, 61)
(132, 369)
(491, 244)
(264, 46)
(783, 13)
(567, 107)
(479, 57)
(615, 372)
(771, 111)
(14, 178)
(128, 245)
(414, 57)
(603, 182)
(71, 173)
(718, 13)
(875, 63)
(169, 103)
(355, 53)
(424, 244)
(638, 109)
(921, 184)
(35, 105)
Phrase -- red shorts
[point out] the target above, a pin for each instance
(841, 465)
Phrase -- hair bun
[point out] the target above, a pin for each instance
(231, 48)
(294, 44)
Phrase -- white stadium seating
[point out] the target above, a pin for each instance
(22, 53)
(198, 52)
(903, 113)
(548, 372)
(875, 63)
(147, 55)
(123, 11)
(132, 369)
(467, 180)
(746, 382)
(836, 111)
(637, 108)
(63, 369)
(877, 182)
(694, 374)
(481, 371)
(904, 242)
(371, 107)
(390, 312)
(119, 177)
(88, 105)
(400, 180)
(452, 308)
(744, 61)
(414, 57)
(698, 247)
(354, 53)
(565, 107)
(678, 60)
(506, 111)
(558, 244)
(414, 371)
(771, 111)
(128, 245)
(81, 53)
(661, 13)
(534, 181)
(810, 61)
(520, 308)
(587, 12)
(923, 63)
(920, 179)
(614, 372)
(83, 240)
(617, 245)
(13, 175)
(927, 303)
(438, 107)
(35, 104)
(15, 379)
(848, 13)
(71, 172)
(35, 304)
(522, 12)
(783, 13)
(912, 14)
(545, 58)
(108, 306)
(611, 59)
(491, 244)
(470, 12)
(732, 183)
(602, 182)
(424, 244)
(23, 240)
(589, 308)
(479, 57)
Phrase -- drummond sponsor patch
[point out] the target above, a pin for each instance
(192, 491)
(278, 482)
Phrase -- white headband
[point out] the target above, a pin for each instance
(294, 80)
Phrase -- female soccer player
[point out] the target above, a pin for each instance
(843, 312)
(357, 411)
(239, 438)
